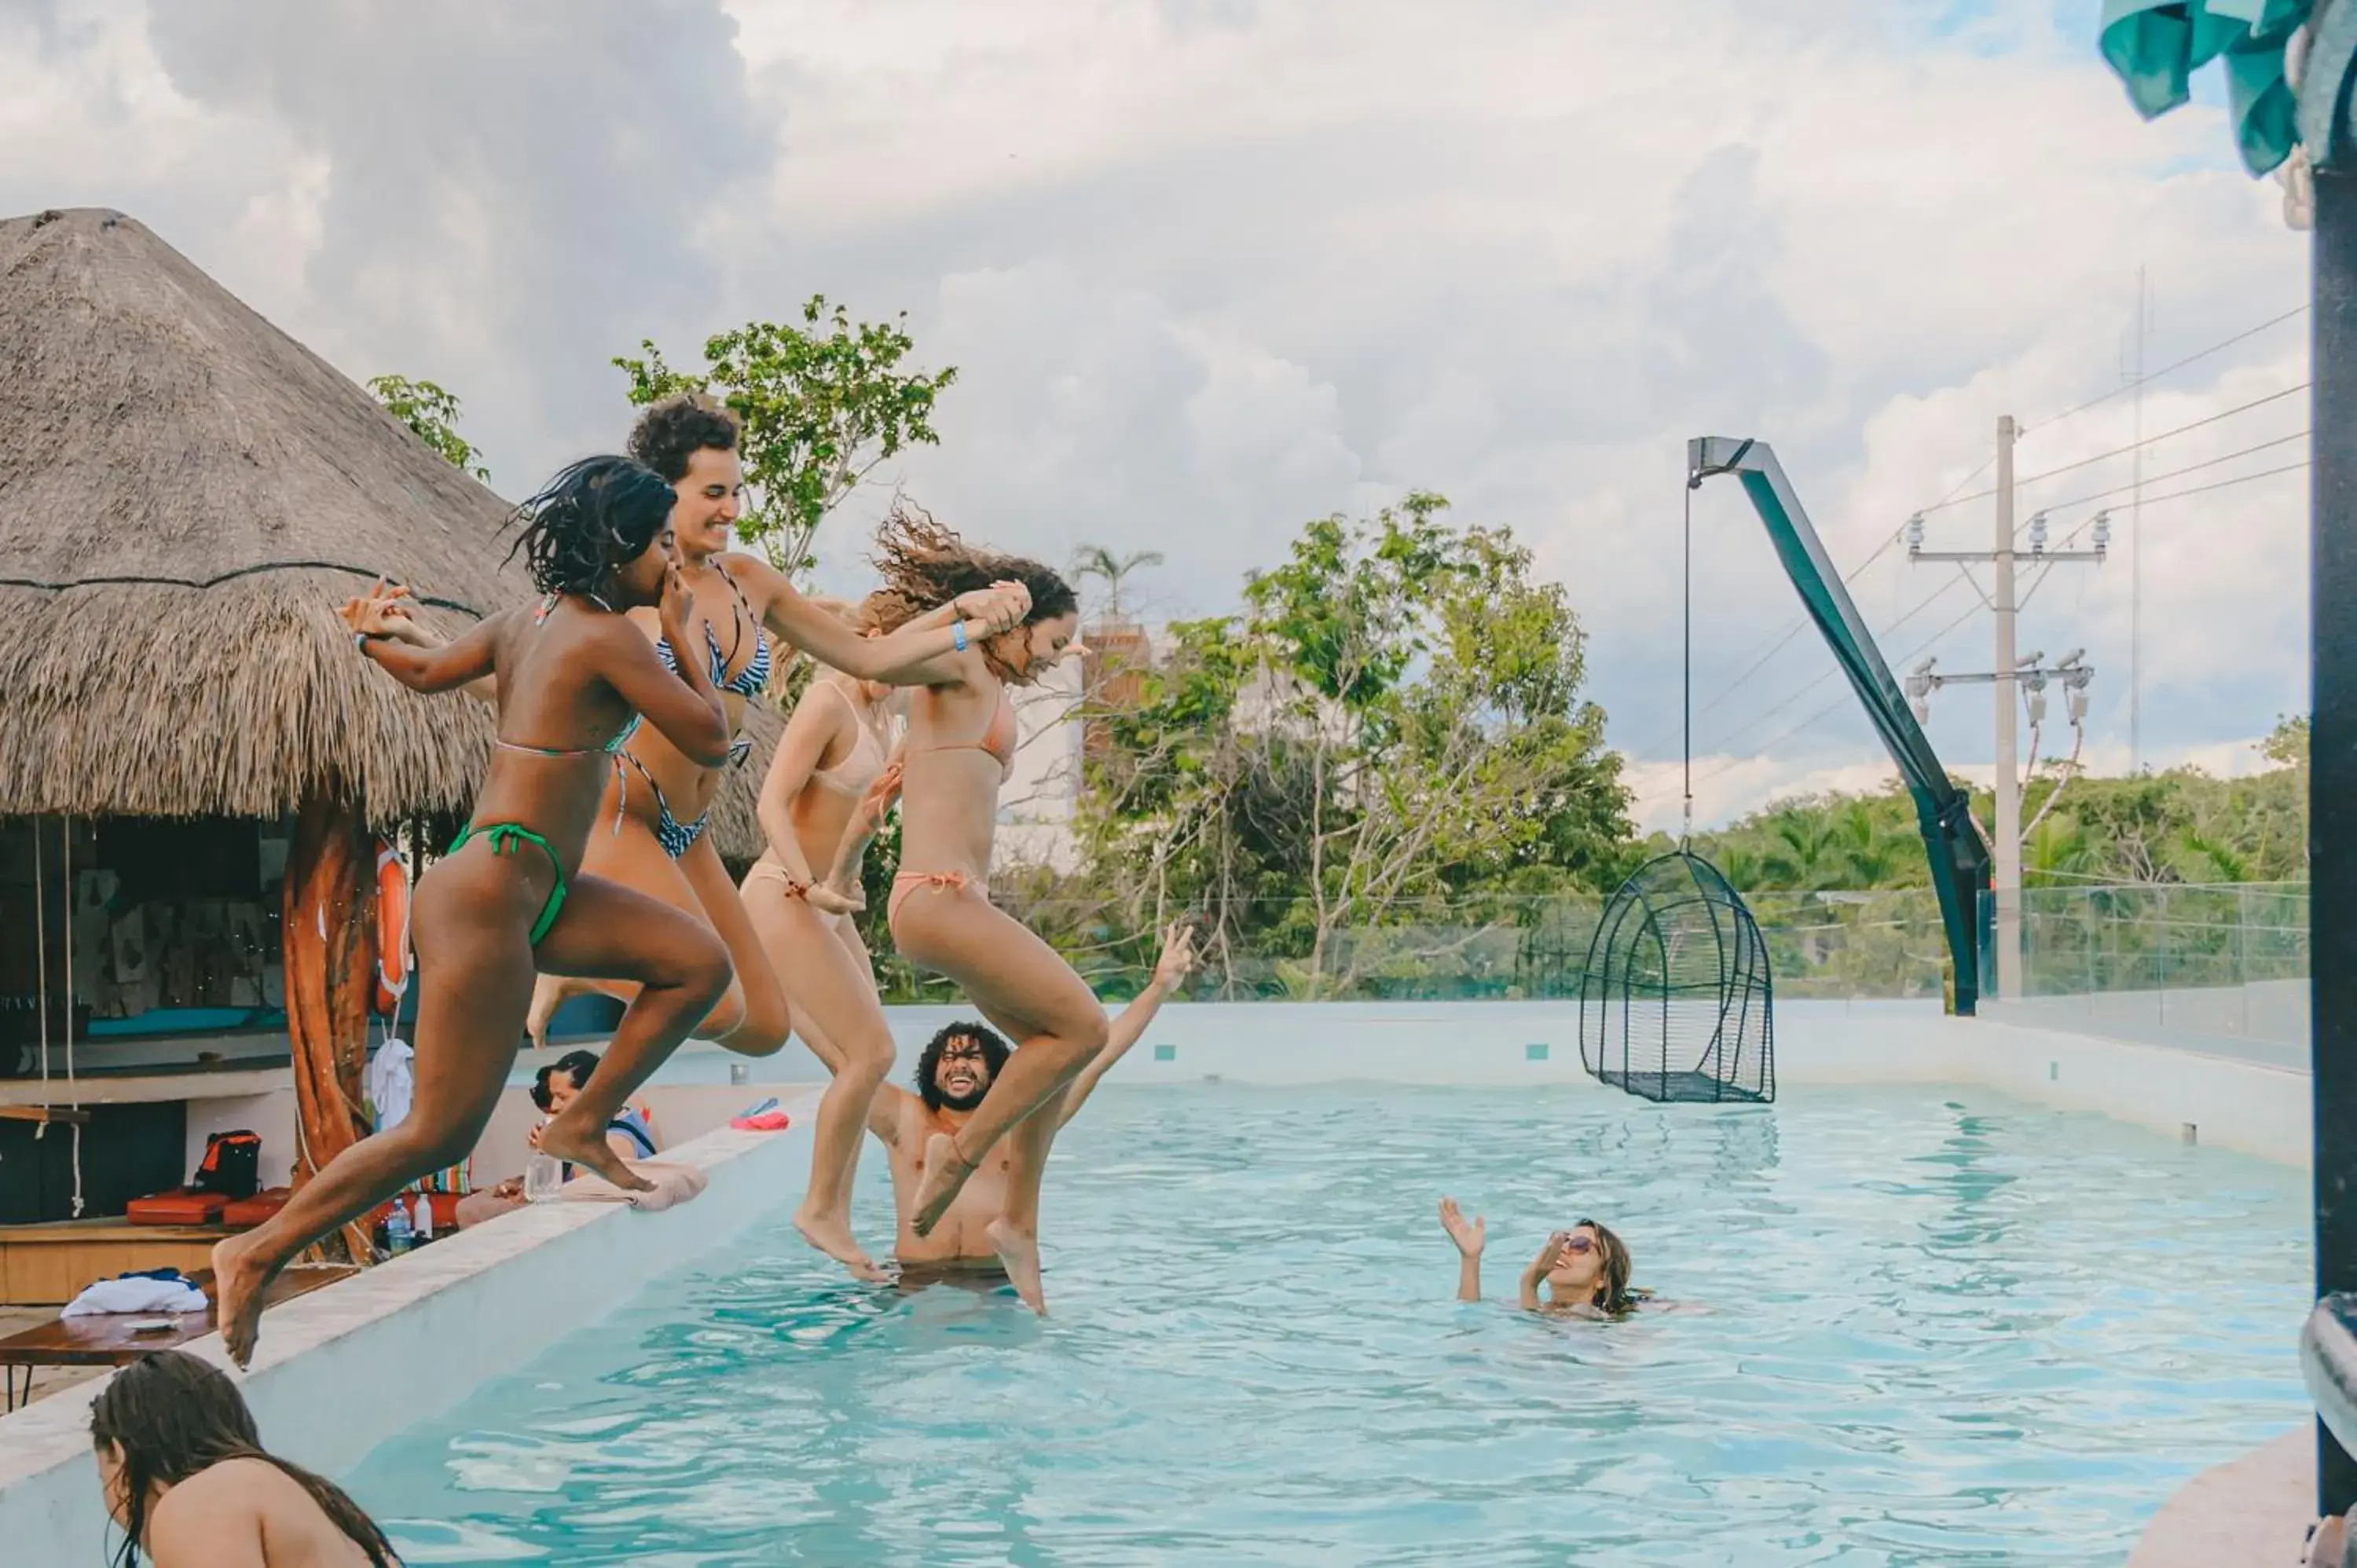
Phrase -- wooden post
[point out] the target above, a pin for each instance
(328, 950)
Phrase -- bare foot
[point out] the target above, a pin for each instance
(2328, 1547)
(242, 1277)
(591, 1152)
(946, 1171)
(831, 1234)
(549, 992)
(1019, 1253)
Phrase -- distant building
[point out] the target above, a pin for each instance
(1058, 723)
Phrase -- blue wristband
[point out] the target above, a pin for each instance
(957, 634)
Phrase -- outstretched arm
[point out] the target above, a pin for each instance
(916, 655)
(390, 613)
(379, 622)
(1177, 961)
(1470, 1236)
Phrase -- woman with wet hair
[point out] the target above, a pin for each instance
(187, 1480)
(573, 677)
(959, 750)
(747, 619)
(1584, 1270)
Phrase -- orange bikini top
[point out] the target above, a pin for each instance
(997, 737)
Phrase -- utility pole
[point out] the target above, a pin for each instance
(2009, 677)
(2006, 703)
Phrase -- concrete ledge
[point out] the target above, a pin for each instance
(2253, 1511)
(472, 1306)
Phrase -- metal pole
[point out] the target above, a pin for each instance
(2007, 699)
(2135, 551)
(2332, 777)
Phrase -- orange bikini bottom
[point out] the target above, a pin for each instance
(908, 881)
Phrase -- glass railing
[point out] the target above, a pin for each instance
(2228, 961)
(1831, 944)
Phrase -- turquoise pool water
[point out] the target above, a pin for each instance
(1921, 1332)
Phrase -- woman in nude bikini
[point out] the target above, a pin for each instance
(187, 1480)
(657, 799)
(960, 747)
(574, 678)
(834, 751)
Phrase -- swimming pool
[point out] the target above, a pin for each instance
(1923, 1331)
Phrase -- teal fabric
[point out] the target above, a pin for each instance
(2155, 46)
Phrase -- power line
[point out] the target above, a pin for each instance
(2131, 446)
(1823, 676)
(1840, 701)
(1926, 603)
(2190, 469)
(2226, 484)
(2166, 370)
(1802, 623)
(1954, 498)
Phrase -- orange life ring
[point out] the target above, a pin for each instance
(391, 928)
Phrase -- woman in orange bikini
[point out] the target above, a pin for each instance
(573, 677)
(960, 747)
(658, 797)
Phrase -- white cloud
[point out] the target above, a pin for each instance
(1209, 267)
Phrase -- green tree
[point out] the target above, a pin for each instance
(1390, 727)
(822, 403)
(432, 415)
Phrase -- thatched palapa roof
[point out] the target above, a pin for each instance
(186, 493)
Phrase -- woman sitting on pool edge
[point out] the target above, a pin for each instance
(1585, 1269)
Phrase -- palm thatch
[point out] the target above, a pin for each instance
(185, 494)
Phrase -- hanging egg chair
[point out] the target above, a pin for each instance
(1676, 1000)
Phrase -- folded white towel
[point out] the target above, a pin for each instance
(136, 1295)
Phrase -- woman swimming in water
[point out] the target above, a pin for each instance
(186, 1479)
(960, 747)
(1584, 1269)
(574, 678)
(659, 798)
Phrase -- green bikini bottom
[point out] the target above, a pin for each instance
(503, 837)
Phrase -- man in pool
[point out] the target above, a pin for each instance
(954, 1072)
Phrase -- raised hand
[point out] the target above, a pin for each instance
(1178, 955)
(383, 611)
(997, 608)
(1470, 1235)
(677, 609)
(1549, 1255)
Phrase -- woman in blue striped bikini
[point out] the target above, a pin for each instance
(659, 798)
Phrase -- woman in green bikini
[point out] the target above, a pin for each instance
(573, 677)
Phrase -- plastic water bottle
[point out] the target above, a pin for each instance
(422, 1220)
(544, 1177)
(396, 1229)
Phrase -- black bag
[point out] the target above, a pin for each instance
(232, 1165)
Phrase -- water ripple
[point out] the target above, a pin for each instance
(1910, 1331)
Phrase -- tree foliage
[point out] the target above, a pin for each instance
(432, 415)
(822, 403)
(1392, 721)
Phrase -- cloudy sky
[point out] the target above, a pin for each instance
(1210, 267)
